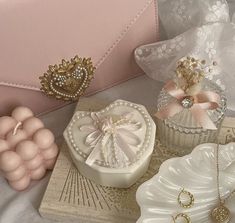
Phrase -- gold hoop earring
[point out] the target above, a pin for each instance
(191, 199)
(182, 215)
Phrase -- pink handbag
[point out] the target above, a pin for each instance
(35, 34)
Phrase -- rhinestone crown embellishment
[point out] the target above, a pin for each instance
(187, 102)
(68, 80)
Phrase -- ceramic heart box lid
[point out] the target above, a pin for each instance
(113, 146)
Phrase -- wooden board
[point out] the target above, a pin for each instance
(73, 198)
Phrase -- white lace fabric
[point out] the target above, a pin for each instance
(197, 28)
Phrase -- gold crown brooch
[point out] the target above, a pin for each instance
(68, 80)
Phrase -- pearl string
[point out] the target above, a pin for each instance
(143, 113)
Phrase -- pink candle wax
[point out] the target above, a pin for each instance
(27, 148)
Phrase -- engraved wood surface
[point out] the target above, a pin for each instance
(73, 198)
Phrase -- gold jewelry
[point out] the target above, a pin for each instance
(221, 213)
(190, 202)
(182, 215)
(191, 71)
(68, 80)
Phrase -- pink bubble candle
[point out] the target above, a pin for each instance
(27, 148)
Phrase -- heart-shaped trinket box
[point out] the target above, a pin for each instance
(113, 146)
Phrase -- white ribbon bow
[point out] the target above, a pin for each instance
(110, 136)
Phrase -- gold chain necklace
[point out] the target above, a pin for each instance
(221, 213)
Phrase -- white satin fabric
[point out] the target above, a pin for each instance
(199, 28)
(112, 139)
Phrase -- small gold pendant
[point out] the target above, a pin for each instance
(220, 214)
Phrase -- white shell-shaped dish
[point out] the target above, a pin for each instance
(195, 173)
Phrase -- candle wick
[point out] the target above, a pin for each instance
(18, 125)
